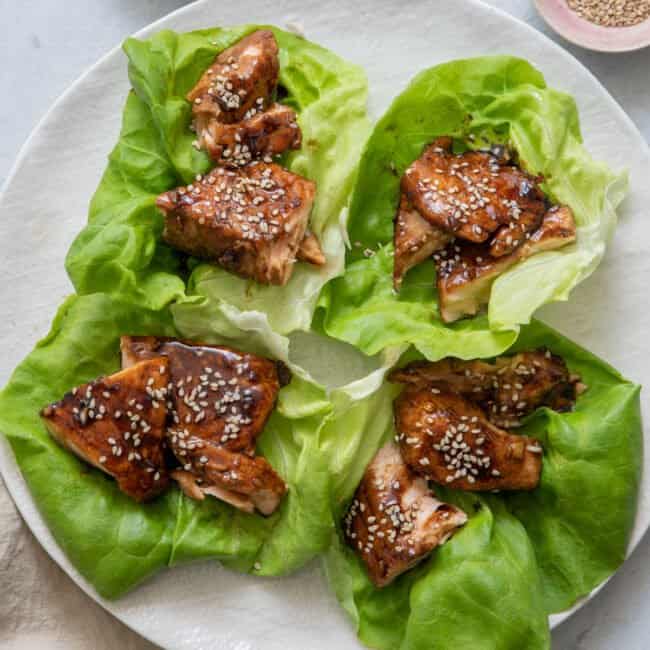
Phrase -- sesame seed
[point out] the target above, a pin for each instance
(612, 13)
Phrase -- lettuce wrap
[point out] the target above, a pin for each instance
(477, 101)
(115, 542)
(522, 555)
(120, 251)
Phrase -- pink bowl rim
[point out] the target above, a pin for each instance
(584, 33)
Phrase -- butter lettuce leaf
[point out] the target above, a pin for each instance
(484, 100)
(119, 252)
(581, 516)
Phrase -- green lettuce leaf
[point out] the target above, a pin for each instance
(113, 541)
(488, 99)
(362, 309)
(120, 252)
(581, 516)
(522, 556)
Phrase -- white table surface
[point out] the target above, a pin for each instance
(44, 46)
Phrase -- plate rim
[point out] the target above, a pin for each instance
(8, 463)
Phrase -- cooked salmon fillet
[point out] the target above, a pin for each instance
(240, 81)
(415, 240)
(215, 391)
(477, 213)
(234, 116)
(264, 135)
(472, 194)
(394, 520)
(250, 220)
(117, 423)
(507, 390)
(310, 251)
(447, 439)
(219, 401)
(466, 272)
(248, 483)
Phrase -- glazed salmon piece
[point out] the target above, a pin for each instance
(415, 240)
(250, 220)
(117, 423)
(248, 483)
(219, 401)
(507, 390)
(470, 195)
(466, 272)
(477, 213)
(234, 117)
(264, 135)
(240, 81)
(447, 439)
(310, 250)
(394, 520)
(215, 392)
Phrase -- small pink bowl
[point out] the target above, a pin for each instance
(571, 26)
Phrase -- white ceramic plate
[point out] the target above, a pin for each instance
(44, 205)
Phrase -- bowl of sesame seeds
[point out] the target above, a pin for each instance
(602, 25)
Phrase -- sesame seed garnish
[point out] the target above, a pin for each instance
(612, 13)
